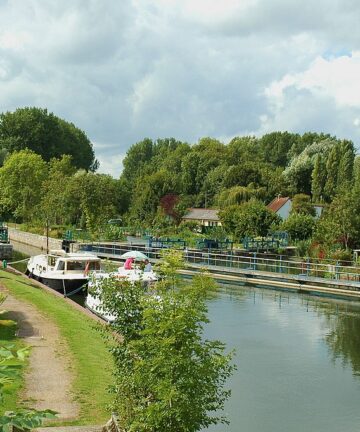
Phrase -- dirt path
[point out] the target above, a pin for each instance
(48, 379)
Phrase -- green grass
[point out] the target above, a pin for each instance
(92, 363)
(8, 338)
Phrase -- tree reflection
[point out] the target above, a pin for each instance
(344, 338)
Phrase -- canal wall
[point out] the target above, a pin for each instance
(35, 240)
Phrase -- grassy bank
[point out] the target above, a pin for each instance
(92, 362)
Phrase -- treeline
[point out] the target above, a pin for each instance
(162, 178)
(213, 174)
(165, 177)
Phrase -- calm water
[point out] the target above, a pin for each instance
(297, 357)
(298, 361)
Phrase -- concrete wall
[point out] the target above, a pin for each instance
(36, 240)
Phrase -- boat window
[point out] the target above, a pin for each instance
(94, 265)
(76, 265)
(51, 260)
(61, 265)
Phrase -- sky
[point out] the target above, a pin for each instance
(123, 70)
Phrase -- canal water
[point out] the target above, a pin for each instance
(297, 357)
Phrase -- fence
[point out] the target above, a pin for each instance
(230, 261)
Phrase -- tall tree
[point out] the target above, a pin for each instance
(301, 204)
(276, 146)
(318, 177)
(251, 218)
(21, 179)
(47, 135)
(332, 166)
(53, 207)
(346, 165)
(356, 175)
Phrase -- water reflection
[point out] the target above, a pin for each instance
(344, 338)
(295, 356)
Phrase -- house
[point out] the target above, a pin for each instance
(282, 207)
(204, 217)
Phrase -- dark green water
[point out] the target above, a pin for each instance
(298, 360)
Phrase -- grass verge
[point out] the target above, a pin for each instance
(92, 362)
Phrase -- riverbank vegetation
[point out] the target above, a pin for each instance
(167, 376)
(162, 178)
(92, 363)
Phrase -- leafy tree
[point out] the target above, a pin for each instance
(301, 204)
(242, 149)
(318, 177)
(276, 146)
(168, 377)
(332, 165)
(53, 206)
(148, 192)
(300, 226)
(346, 166)
(136, 159)
(21, 179)
(46, 135)
(298, 172)
(251, 218)
(97, 199)
(341, 222)
(238, 195)
(242, 175)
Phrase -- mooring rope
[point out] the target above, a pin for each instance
(16, 262)
(76, 290)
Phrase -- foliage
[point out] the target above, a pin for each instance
(342, 255)
(238, 195)
(167, 376)
(332, 165)
(318, 179)
(303, 248)
(300, 226)
(45, 134)
(298, 172)
(24, 419)
(252, 218)
(52, 209)
(301, 204)
(21, 179)
(341, 222)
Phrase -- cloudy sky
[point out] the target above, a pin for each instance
(122, 70)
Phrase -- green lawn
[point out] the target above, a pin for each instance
(92, 362)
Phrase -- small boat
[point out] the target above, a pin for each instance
(65, 272)
(93, 303)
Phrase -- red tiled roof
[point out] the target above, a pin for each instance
(277, 203)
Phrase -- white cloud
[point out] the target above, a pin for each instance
(125, 70)
(337, 78)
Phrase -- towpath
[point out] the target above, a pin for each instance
(49, 377)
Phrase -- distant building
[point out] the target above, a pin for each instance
(282, 207)
(204, 217)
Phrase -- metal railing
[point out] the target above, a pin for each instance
(230, 261)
